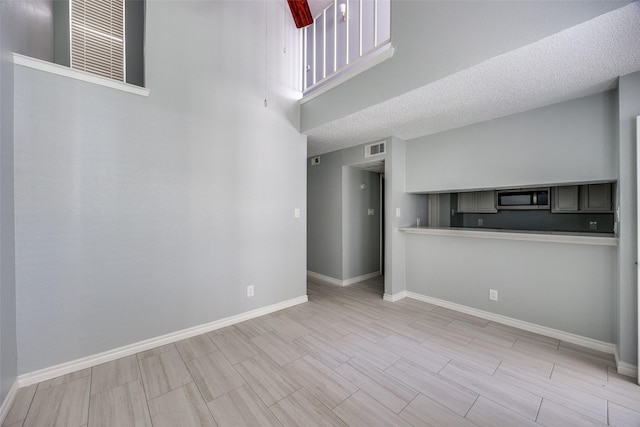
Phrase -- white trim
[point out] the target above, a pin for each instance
(625, 368)
(360, 278)
(61, 70)
(358, 66)
(5, 407)
(108, 356)
(602, 346)
(395, 297)
(338, 282)
(323, 278)
(542, 236)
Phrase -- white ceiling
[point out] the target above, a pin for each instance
(576, 62)
(375, 166)
(317, 6)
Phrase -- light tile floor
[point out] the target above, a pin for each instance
(344, 358)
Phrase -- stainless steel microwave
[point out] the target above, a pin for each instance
(530, 198)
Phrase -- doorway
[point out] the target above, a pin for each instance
(363, 222)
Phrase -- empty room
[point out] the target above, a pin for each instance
(319, 212)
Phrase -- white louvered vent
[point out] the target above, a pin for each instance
(376, 149)
(97, 37)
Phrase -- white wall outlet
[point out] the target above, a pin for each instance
(296, 213)
(249, 291)
(493, 295)
(397, 212)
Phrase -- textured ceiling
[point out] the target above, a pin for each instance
(576, 62)
(376, 166)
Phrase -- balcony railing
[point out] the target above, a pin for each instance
(346, 32)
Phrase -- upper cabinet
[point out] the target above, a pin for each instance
(583, 198)
(565, 199)
(467, 202)
(596, 198)
(477, 202)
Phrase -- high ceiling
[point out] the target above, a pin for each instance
(579, 61)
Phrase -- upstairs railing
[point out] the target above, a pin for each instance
(343, 34)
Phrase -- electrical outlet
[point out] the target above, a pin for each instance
(397, 212)
(593, 225)
(296, 213)
(480, 221)
(249, 291)
(493, 295)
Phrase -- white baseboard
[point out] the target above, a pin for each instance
(360, 278)
(395, 297)
(5, 407)
(323, 278)
(108, 356)
(624, 368)
(338, 282)
(602, 346)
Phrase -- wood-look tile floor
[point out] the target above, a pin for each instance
(344, 358)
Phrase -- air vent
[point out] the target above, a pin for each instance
(376, 149)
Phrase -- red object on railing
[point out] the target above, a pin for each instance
(300, 12)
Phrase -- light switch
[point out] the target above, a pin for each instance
(397, 212)
(371, 212)
(296, 213)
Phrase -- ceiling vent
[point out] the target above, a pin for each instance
(376, 149)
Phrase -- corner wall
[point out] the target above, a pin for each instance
(25, 27)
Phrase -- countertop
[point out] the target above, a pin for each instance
(605, 239)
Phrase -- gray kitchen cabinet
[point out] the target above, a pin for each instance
(582, 198)
(565, 199)
(477, 202)
(467, 202)
(486, 202)
(596, 198)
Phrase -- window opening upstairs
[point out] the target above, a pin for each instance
(97, 37)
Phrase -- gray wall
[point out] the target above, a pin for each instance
(412, 206)
(563, 286)
(25, 27)
(572, 141)
(324, 211)
(361, 231)
(334, 205)
(137, 217)
(627, 293)
(424, 33)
